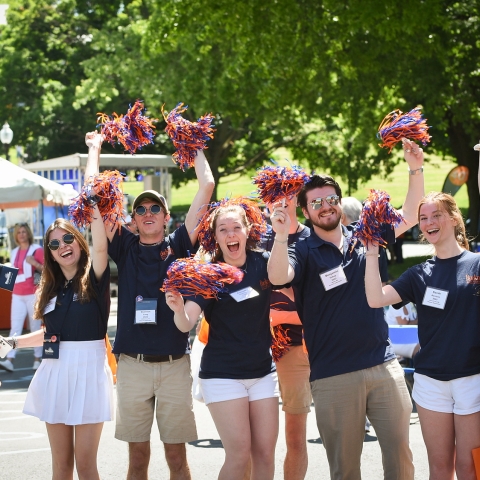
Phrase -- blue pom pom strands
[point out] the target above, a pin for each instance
(397, 125)
(191, 276)
(187, 137)
(254, 217)
(275, 183)
(133, 130)
(376, 211)
(105, 191)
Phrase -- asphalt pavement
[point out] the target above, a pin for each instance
(25, 451)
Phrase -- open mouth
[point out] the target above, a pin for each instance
(327, 214)
(67, 254)
(233, 246)
(433, 231)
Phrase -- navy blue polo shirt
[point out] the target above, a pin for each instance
(141, 272)
(81, 322)
(239, 335)
(449, 337)
(342, 333)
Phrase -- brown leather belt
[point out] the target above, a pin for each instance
(154, 358)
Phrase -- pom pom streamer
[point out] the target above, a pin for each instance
(254, 217)
(376, 211)
(397, 125)
(280, 342)
(132, 130)
(275, 183)
(105, 189)
(191, 276)
(187, 137)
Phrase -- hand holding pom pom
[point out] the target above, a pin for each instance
(191, 277)
(187, 137)
(397, 125)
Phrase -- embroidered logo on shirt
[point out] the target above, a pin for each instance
(265, 284)
(75, 297)
(165, 253)
(473, 279)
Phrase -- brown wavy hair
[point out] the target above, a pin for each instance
(52, 276)
(446, 202)
(252, 244)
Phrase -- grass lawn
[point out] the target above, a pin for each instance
(436, 170)
(396, 269)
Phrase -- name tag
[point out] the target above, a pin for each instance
(146, 311)
(20, 278)
(244, 294)
(51, 345)
(4, 347)
(333, 278)
(434, 297)
(50, 306)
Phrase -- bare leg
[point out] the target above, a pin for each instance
(87, 438)
(232, 419)
(138, 460)
(61, 443)
(439, 435)
(467, 435)
(264, 428)
(296, 460)
(176, 456)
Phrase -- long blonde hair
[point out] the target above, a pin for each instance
(52, 276)
(17, 227)
(446, 202)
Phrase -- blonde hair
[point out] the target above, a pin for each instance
(52, 276)
(446, 202)
(17, 227)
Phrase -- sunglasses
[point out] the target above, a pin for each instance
(153, 209)
(68, 239)
(330, 199)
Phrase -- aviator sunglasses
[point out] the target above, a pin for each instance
(68, 239)
(330, 199)
(153, 209)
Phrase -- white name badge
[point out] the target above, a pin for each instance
(4, 347)
(244, 294)
(50, 306)
(146, 311)
(434, 297)
(20, 278)
(333, 278)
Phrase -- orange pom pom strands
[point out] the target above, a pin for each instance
(187, 137)
(397, 125)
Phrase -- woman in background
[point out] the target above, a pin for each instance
(28, 258)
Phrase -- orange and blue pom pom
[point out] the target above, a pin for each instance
(105, 191)
(192, 277)
(133, 130)
(187, 137)
(275, 183)
(280, 342)
(254, 217)
(397, 125)
(377, 211)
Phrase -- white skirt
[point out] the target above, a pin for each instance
(75, 389)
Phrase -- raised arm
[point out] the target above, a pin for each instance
(377, 296)
(206, 183)
(99, 232)
(186, 315)
(280, 271)
(416, 188)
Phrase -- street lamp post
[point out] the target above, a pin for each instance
(6, 137)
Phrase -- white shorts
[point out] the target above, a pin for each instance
(223, 389)
(460, 396)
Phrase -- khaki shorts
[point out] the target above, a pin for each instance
(163, 389)
(293, 371)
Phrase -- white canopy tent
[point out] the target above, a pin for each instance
(20, 188)
(24, 196)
